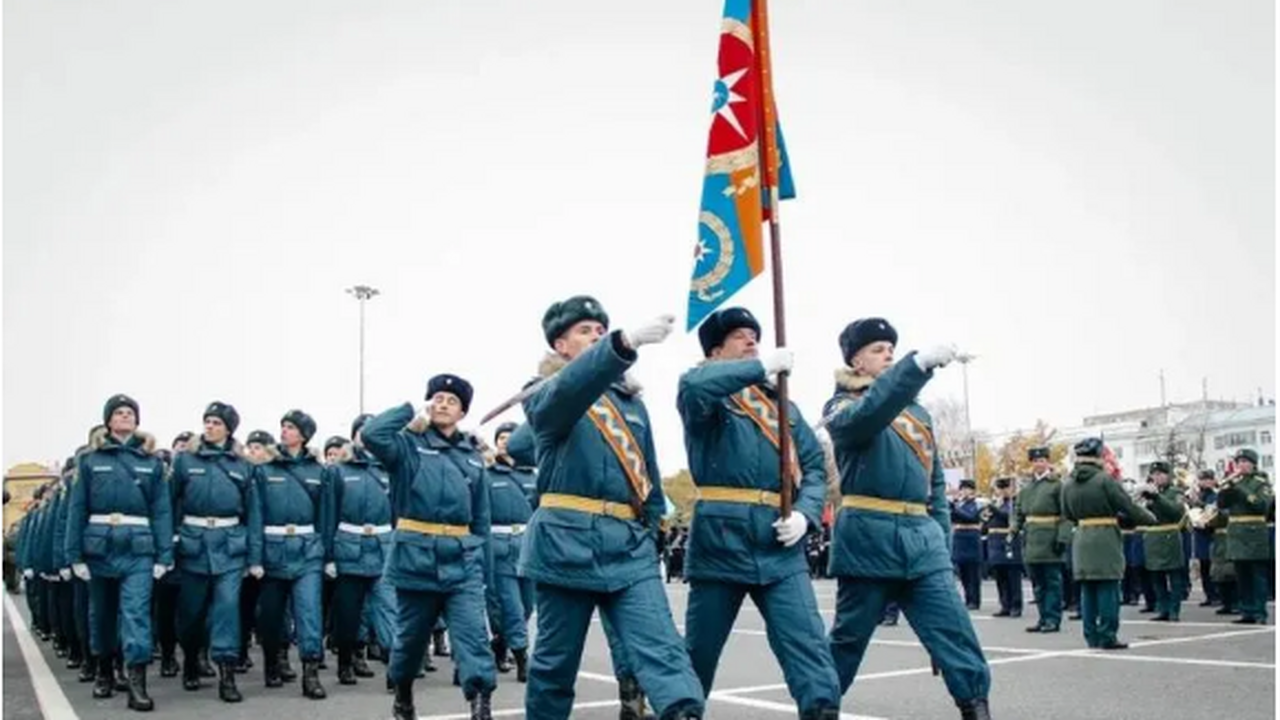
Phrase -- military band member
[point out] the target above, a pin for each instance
(294, 506)
(119, 539)
(739, 545)
(1162, 542)
(966, 543)
(1038, 519)
(591, 543)
(1248, 501)
(1204, 498)
(1092, 500)
(892, 533)
(1004, 552)
(440, 560)
(219, 520)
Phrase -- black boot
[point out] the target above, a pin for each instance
(358, 665)
(522, 664)
(427, 666)
(500, 654)
(631, 697)
(169, 666)
(481, 708)
(377, 653)
(245, 663)
(88, 671)
(190, 672)
(271, 669)
(346, 673)
(402, 708)
(122, 677)
(206, 667)
(227, 690)
(311, 687)
(974, 710)
(287, 673)
(821, 714)
(74, 660)
(456, 681)
(104, 685)
(439, 643)
(138, 698)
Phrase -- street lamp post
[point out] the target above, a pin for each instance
(362, 293)
(968, 427)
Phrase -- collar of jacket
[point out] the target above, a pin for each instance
(139, 442)
(207, 449)
(277, 454)
(552, 363)
(850, 382)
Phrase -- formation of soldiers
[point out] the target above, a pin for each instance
(414, 526)
(1091, 544)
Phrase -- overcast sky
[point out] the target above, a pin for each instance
(1080, 193)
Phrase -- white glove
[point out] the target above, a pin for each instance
(935, 357)
(780, 360)
(81, 571)
(158, 571)
(791, 529)
(65, 573)
(257, 572)
(331, 569)
(29, 574)
(654, 331)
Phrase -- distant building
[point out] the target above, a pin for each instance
(21, 481)
(1194, 435)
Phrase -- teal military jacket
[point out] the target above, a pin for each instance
(291, 492)
(875, 461)
(511, 513)
(733, 541)
(211, 481)
(359, 530)
(580, 550)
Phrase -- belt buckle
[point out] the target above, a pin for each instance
(114, 519)
(368, 529)
(290, 530)
(211, 523)
(607, 506)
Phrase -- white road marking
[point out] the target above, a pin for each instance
(519, 712)
(1185, 661)
(53, 702)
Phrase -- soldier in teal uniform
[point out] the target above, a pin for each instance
(1038, 519)
(739, 544)
(1162, 542)
(1004, 552)
(966, 542)
(440, 560)
(509, 600)
(294, 510)
(1093, 501)
(893, 531)
(1246, 498)
(257, 450)
(119, 539)
(592, 541)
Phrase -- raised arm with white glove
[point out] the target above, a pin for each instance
(652, 332)
(936, 357)
(778, 361)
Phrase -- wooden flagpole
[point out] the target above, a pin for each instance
(769, 170)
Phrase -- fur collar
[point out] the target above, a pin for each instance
(236, 448)
(420, 424)
(552, 363)
(276, 453)
(143, 442)
(847, 381)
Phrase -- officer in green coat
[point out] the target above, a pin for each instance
(1247, 500)
(1162, 542)
(1038, 518)
(1093, 500)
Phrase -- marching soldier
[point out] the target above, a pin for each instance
(1247, 499)
(360, 533)
(219, 519)
(1004, 552)
(294, 506)
(739, 545)
(893, 529)
(966, 543)
(1092, 500)
(591, 543)
(1038, 518)
(511, 601)
(257, 451)
(440, 559)
(167, 588)
(120, 540)
(1205, 497)
(335, 450)
(1162, 542)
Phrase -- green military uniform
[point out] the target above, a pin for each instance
(1248, 503)
(1162, 547)
(1222, 571)
(1092, 500)
(1038, 517)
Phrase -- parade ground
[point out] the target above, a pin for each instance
(1203, 667)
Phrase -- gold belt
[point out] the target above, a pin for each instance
(1248, 519)
(1174, 527)
(430, 528)
(1098, 522)
(622, 511)
(893, 507)
(998, 531)
(966, 526)
(1042, 519)
(744, 496)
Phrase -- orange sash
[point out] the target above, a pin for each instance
(609, 421)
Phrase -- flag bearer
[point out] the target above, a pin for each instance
(510, 601)
(739, 544)
(892, 533)
(592, 542)
(119, 539)
(966, 543)
(1162, 542)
